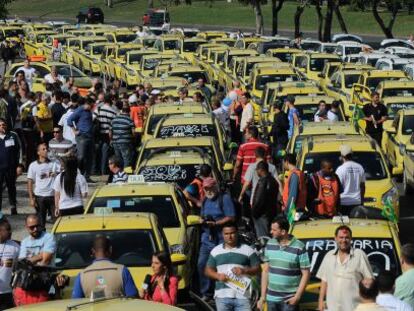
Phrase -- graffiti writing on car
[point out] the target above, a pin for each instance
(194, 130)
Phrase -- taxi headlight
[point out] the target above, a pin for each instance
(176, 249)
(389, 195)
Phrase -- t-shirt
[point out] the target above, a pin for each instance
(224, 260)
(105, 114)
(332, 116)
(252, 177)
(285, 265)
(31, 247)
(246, 154)
(122, 126)
(392, 303)
(43, 175)
(65, 201)
(119, 178)
(9, 252)
(49, 79)
(351, 175)
(247, 116)
(67, 130)
(378, 112)
(404, 287)
(59, 149)
(291, 113)
(29, 74)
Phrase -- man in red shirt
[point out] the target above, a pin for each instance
(246, 154)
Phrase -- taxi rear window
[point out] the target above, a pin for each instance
(191, 130)
(162, 206)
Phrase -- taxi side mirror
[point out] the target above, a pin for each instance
(193, 220)
(178, 259)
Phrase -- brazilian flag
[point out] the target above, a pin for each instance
(291, 212)
(388, 211)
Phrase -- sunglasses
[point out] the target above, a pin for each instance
(34, 227)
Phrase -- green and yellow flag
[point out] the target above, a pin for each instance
(388, 211)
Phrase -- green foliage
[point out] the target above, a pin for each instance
(3, 8)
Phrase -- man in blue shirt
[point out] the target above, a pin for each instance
(216, 210)
(81, 123)
(293, 115)
(103, 278)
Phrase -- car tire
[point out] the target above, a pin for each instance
(407, 188)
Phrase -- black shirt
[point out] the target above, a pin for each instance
(378, 112)
(57, 112)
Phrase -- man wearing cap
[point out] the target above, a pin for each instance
(216, 210)
(352, 177)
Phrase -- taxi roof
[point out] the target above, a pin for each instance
(330, 143)
(275, 70)
(186, 107)
(236, 51)
(325, 228)
(305, 100)
(85, 304)
(397, 84)
(137, 189)
(91, 222)
(398, 99)
(384, 73)
(186, 68)
(285, 50)
(192, 118)
(259, 58)
(171, 158)
(326, 127)
(178, 142)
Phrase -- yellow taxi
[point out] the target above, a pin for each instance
(395, 88)
(120, 36)
(157, 112)
(397, 133)
(380, 187)
(246, 66)
(115, 61)
(204, 50)
(165, 66)
(85, 304)
(207, 144)
(134, 236)
(328, 70)
(179, 167)
(408, 173)
(192, 125)
(79, 47)
(311, 64)
(189, 46)
(378, 239)
(11, 33)
(48, 43)
(209, 35)
(313, 129)
(243, 43)
(90, 57)
(168, 44)
(34, 27)
(227, 41)
(284, 54)
(164, 200)
(149, 62)
(33, 42)
(129, 69)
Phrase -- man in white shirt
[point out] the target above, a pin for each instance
(54, 77)
(41, 174)
(333, 112)
(386, 299)
(29, 72)
(352, 177)
(248, 112)
(9, 252)
(67, 130)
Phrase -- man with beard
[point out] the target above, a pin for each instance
(38, 248)
(286, 269)
(342, 268)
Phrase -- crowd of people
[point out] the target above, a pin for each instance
(62, 139)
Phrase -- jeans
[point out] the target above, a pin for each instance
(85, 148)
(261, 226)
(104, 150)
(8, 176)
(43, 205)
(281, 306)
(232, 304)
(206, 284)
(124, 152)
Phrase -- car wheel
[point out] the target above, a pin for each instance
(407, 188)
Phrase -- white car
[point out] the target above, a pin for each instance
(400, 51)
(310, 45)
(386, 43)
(346, 37)
(328, 47)
(372, 58)
(409, 69)
(393, 63)
(345, 48)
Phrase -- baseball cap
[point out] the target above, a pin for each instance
(209, 182)
(132, 99)
(345, 150)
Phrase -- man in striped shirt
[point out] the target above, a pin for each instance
(227, 263)
(122, 136)
(286, 270)
(104, 114)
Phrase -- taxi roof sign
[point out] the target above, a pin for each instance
(340, 220)
(102, 211)
(135, 179)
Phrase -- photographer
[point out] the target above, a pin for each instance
(216, 210)
(38, 248)
(9, 251)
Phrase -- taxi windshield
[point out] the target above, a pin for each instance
(370, 161)
(98, 49)
(372, 83)
(310, 46)
(317, 64)
(190, 46)
(408, 125)
(13, 32)
(188, 130)
(125, 38)
(182, 174)
(73, 249)
(162, 206)
(69, 71)
(284, 56)
(352, 50)
(381, 253)
(191, 76)
(409, 91)
(262, 80)
(171, 45)
(350, 79)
